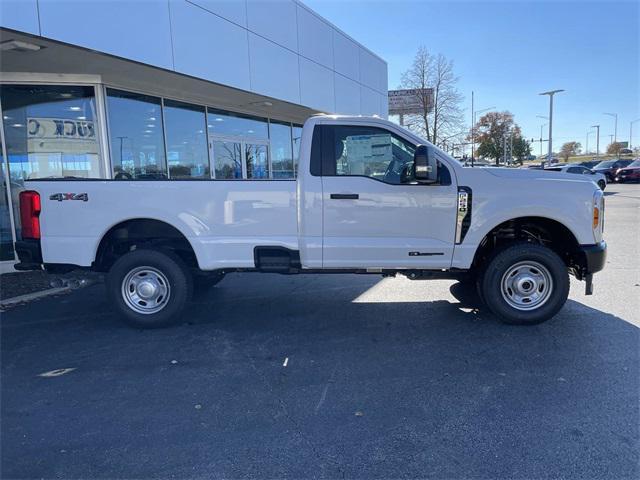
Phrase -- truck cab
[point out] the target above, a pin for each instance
(370, 197)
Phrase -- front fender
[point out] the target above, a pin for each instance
(568, 203)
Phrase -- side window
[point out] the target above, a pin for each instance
(574, 170)
(371, 152)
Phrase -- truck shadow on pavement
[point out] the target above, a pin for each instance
(319, 377)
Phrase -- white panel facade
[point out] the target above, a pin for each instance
(384, 106)
(315, 38)
(369, 101)
(98, 25)
(346, 56)
(20, 15)
(381, 77)
(369, 68)
(276, 48)
(274, 20)
(195, 31)
(274, 70)
(347, 94)
(316, 86)
(233, 10)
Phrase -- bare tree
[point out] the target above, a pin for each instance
(447, 114)
(419, 78)
(434, 81)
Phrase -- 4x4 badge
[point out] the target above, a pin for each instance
(70, 196)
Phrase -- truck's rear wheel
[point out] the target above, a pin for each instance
(149, 288)
(525, 284)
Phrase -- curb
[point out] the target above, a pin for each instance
(32, 296)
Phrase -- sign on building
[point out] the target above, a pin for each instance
(409, 101)
(61, 135)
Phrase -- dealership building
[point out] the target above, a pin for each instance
(168, 90)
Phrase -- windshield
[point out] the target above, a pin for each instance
(635, 163)
(607, 164)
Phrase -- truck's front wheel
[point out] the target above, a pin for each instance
(149, 288)
(525, 284)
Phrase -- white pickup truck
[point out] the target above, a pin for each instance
(369, 198)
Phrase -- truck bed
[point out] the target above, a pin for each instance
(223, 220)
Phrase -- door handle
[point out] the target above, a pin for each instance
(344, 196)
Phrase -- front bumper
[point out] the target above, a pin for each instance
(594, 257)
(624, 176)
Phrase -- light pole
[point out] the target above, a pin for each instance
(541, 127)
(473, 126)
(586, 150)
(551, 93)
(597, 127)
(615, 126)
(631, 131)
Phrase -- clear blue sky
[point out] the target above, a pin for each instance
(509, 51)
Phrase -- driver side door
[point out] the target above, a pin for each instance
(375, 215)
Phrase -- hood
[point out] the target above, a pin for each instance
(534, 174)
(628, 169)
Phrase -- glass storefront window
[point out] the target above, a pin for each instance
(257, 161)
(187, 152)
(281, 150)
(297, 138)
(50, 131)
(136, 136)
(236, 125)
(227, 158)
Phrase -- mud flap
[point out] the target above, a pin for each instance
(588, 284)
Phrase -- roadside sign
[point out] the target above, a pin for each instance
(409, 101)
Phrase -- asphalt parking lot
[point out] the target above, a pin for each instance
(332, 377)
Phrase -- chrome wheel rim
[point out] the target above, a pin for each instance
(526, 285)
(146, 290)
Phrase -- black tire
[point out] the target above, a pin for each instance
(161, 267)
(470, 281)
(525, 262)
(602, 184)
(202, 283)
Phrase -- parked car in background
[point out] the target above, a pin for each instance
(590, 163)
(630, 173)
(478, 162)
(545, 158)
(609, 168)
(599, 178)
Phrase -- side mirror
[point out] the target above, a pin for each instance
(425, 164)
